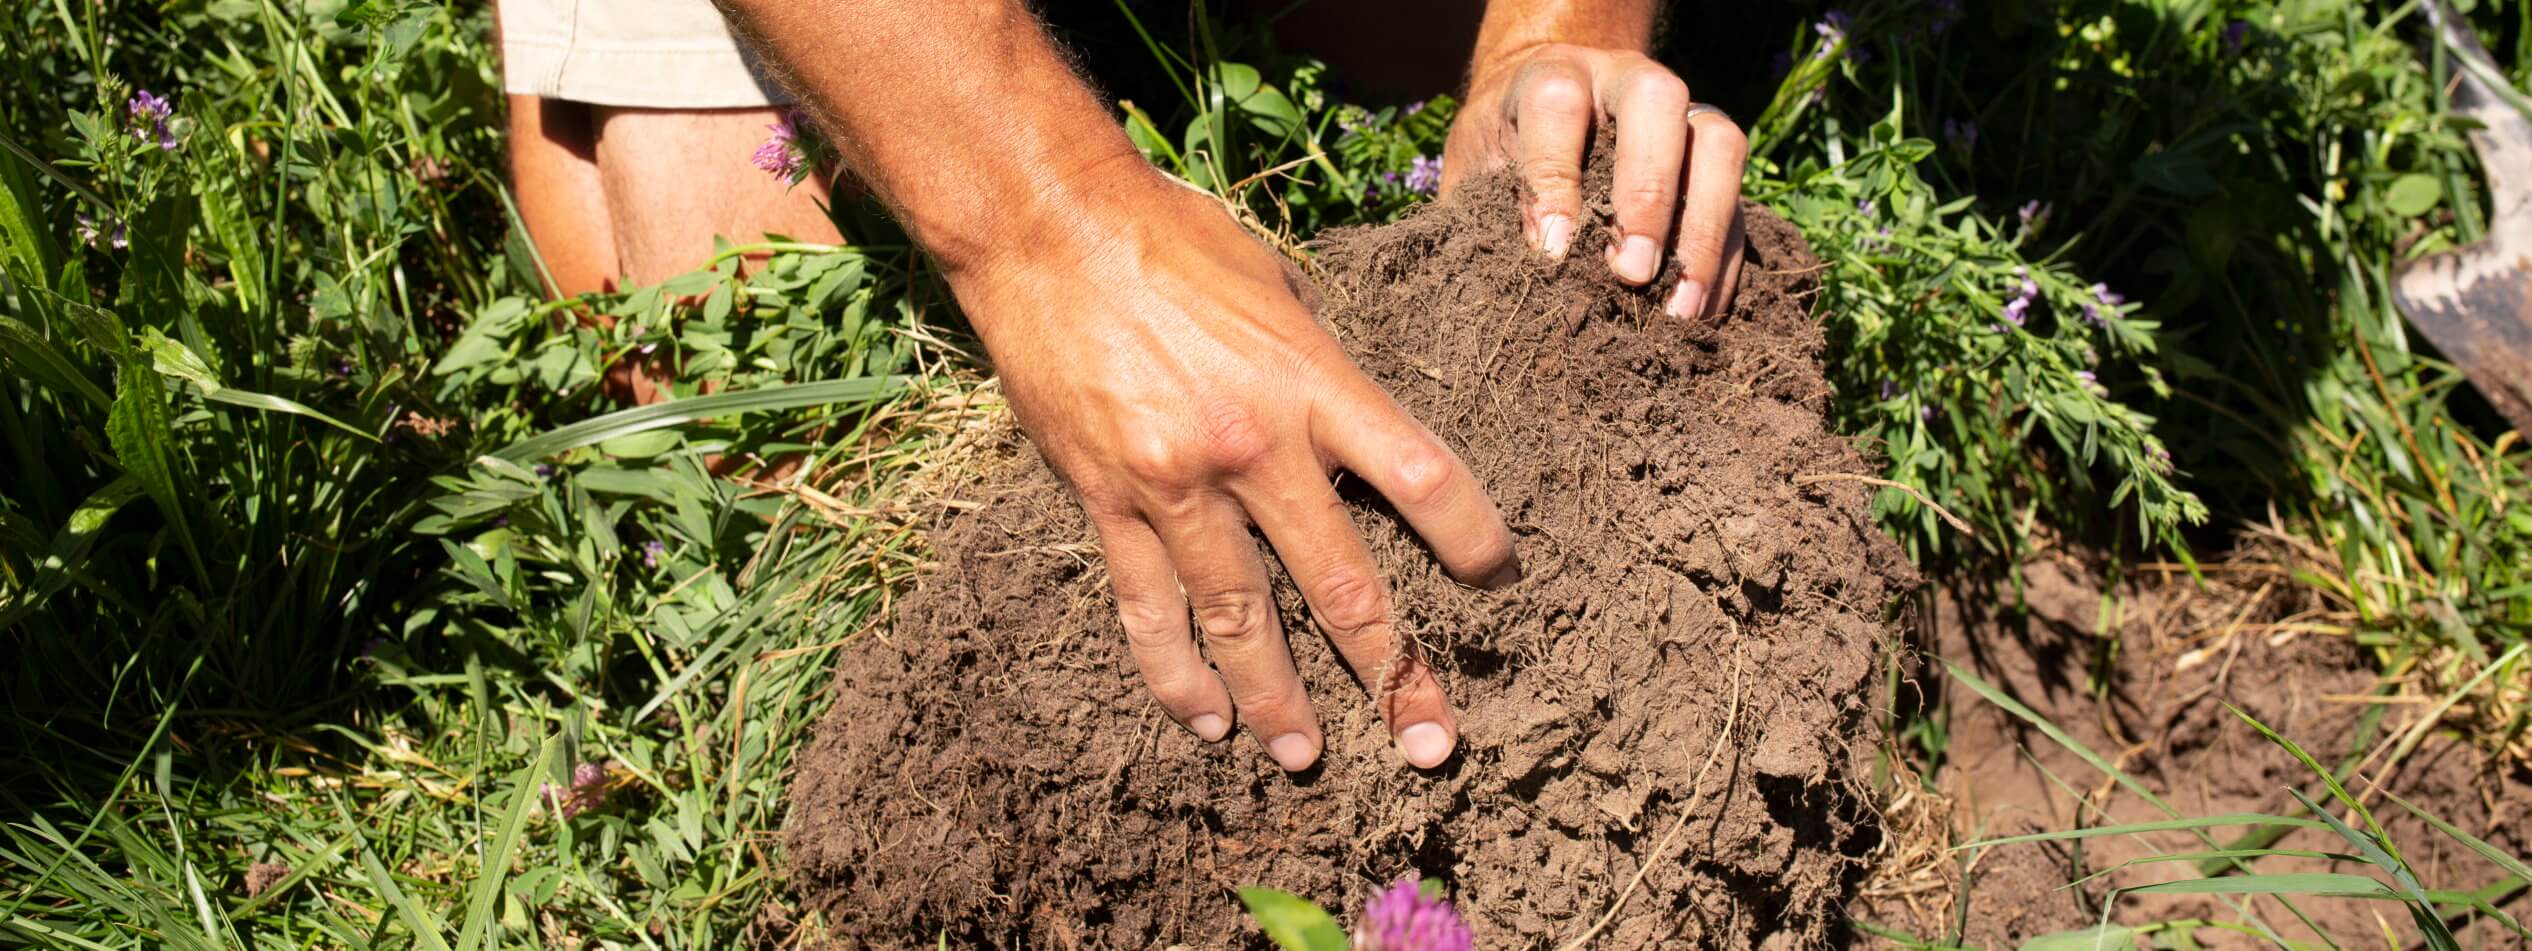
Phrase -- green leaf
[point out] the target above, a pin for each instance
(2413, 194)
(641, 419)
(2097, 938)
(486, 338)
(69, 548)
(1292, 922)
(37, 359)
(2160, 825)
(2325, 884)
(142, 436)
(485, 895)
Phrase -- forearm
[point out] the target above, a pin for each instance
(1511, 26)
(958, 115)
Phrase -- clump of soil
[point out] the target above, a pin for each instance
(1705, 598)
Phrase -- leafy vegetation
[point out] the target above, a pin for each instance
(349, 609)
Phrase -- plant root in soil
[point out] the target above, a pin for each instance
(1665, 726)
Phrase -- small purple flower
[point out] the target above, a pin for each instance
(1403, 919)
(544, 471)
(2162, 458)
(1961, 135)
(2233, 35)
(149, 114)
(651, 550)
(1425, 177)
(1889, 389)
(2025, 292)
(1832, 30)
(1867, 206)
(2018, 310)
(2102, 296)
(781, 156)
(105, 236)
(343, 366)
(1414, 107)
(2034, 214)
(588, 790)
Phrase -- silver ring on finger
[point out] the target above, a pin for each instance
(1706, 109)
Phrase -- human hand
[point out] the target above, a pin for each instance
(1161, 363)
(1535, 108)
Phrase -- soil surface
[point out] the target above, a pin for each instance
(1678, 691)
(2141, 672)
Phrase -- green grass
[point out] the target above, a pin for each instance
(321, 551)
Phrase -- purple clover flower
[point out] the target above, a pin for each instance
(651, 550)
(781, 156)
(1425, 176)
(588, 790)
(149, 114)
(1403, 919)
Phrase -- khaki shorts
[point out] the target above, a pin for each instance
(660, 54)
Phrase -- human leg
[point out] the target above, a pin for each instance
(675, 178)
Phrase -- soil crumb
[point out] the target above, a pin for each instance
(1702, 575)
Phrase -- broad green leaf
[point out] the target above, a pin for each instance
(2097, 938)
(2413, 194)
(34, 357)
(143, 437)
(234, 226)
(1292, 922)
(27, 253)
(69, 549)
(486, 338)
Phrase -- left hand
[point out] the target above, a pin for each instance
(1535, 108)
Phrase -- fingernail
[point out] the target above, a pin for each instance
(1505, 576)
(1687, 300)
(1559, 231)
(1293, 751)
(1425, 744)
(1637, 259)
(1209, 726)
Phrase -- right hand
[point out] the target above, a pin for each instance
(1158, 359)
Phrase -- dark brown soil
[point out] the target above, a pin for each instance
(2148, 691)
(993, 769)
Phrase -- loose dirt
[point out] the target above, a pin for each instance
(1679, 690)
(2141, 671)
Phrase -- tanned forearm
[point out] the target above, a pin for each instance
(961, 116)
(1515, 25)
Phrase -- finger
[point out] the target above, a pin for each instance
(1302, 516)
(1369, 435)
(1650, 106)
(1733, 257)
(1551, 122)
(1711, 206)
(1218, 565)
(1155, 619)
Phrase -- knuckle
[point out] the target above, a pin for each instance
(1653, 88)
(1721, 133)
(1234, 438)
(1421, 473)
(1558, 93)
(1150, 625)
(1702, 240)
(1351, 601)
(1180, 693)
(1151, 459)
(1234, 618)
(1642, 194)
